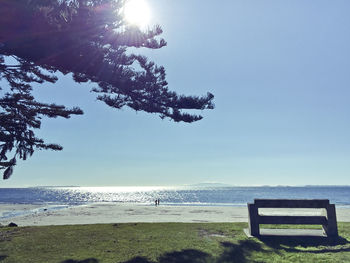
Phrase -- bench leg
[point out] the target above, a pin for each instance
(253, 220)
(331, 228)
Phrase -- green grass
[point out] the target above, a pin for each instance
(164, 243)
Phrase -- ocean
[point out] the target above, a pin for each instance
(183, 196)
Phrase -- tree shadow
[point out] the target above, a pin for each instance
(88, 260)
(139, 260)
(290, 243)
(239, 253)
(233, 253)
(242, 252)
(185, 256)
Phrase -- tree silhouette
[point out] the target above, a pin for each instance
(89, 39)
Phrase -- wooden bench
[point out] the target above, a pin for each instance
(328, 222)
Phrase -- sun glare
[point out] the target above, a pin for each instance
(136, 12)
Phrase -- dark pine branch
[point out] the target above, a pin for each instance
(89, 39)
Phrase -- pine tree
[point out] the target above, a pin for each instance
(89, 39)
(20, 114)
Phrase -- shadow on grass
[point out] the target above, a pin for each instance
(233, 253)
(243, 251)
(239, 253)
(139, 260)
(290, 244)
(185, 256)
(88, 260)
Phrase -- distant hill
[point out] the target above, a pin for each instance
(210, 185)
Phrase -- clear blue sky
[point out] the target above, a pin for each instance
(279, 71)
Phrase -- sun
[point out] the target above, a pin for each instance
(137, 12)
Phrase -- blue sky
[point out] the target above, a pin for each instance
(279, 71)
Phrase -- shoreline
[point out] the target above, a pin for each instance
(101, 213)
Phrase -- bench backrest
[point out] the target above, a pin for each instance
(291, 203)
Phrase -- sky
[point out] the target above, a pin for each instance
(279, 71)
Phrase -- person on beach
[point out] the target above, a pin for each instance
(156, 202)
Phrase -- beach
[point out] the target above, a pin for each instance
(101, 213)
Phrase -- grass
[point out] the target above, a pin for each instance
(164, 243)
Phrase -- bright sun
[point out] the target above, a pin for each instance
(137, 12)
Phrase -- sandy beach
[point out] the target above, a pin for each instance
(31, 215)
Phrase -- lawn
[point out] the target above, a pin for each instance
(164, 243)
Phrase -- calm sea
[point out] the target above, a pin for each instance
(201, 196)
